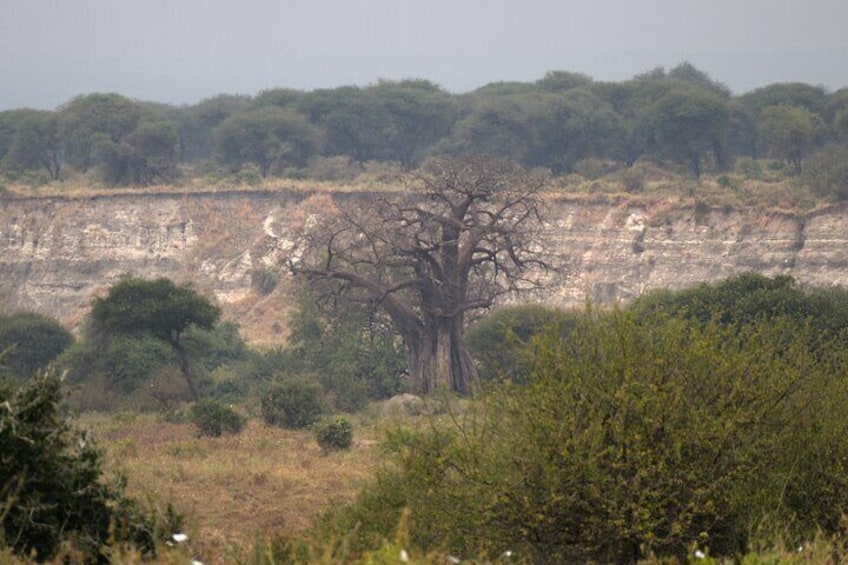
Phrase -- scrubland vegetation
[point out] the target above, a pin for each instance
(710, 420)
(704, 425)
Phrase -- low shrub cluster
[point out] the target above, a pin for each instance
(334, 434)
(292, 402)
(213, 418)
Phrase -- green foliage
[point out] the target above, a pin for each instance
(388, 121)
(751, 297)
(502, 345)
(500, 127)
(129, 361)
(334, 434)
(356, 354)
(688, 122)
(789, 132)
(213, 418)
(826, 172)
(31, 341)
(144, 157)
(196, 125)
(218, 346)
(157, 307)
(809, 97)
(555, 122)
(292, 402)
(272, 138)
(35, 144)
(641, 433)
(85, 120)
(51, 485)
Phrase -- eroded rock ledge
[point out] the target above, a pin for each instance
(59, 252)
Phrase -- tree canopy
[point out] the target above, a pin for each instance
(158, 308)
(31, 341)
(677, 117)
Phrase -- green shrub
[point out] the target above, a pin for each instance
(293, 402)
(725, 181)
(635, 436)
(264, 281)
(52, 492)
(826, 172)
(748, 168)
(501, 343)
(357, 355)
(31, 342)
(213, 418)
(334, 434)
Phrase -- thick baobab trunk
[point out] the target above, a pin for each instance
(438, 359)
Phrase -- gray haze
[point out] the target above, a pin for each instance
(182, 51)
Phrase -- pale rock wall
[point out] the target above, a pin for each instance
(57, 253)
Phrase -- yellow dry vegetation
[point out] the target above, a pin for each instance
(234, 489)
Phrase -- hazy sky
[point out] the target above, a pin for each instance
(182, 51)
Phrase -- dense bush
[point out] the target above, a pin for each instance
(636, 435)
(827, 172)
(292, 402)
(356, 354)
(501, 342)
(752, 297)
(51, 486)
(336, 433)
(31, 342)
(213, 418)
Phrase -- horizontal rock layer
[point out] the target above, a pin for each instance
(57, 253)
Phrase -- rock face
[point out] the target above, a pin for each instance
(57, 253)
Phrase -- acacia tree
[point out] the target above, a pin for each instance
(36, 144)
(789, 132)
(688, 122)
(461, 233)
(155, 307)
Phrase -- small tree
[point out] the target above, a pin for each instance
(689, 122)
(789, 132)
(157, 307)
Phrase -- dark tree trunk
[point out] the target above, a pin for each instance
(695, 164)
(438, 358)
(185, 367)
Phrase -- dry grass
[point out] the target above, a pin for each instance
(233, 489)
(83, 187)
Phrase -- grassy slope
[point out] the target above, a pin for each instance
(233, 488)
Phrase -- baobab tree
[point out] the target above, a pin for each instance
(455, 236)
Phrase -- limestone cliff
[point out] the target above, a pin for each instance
(60, 252)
